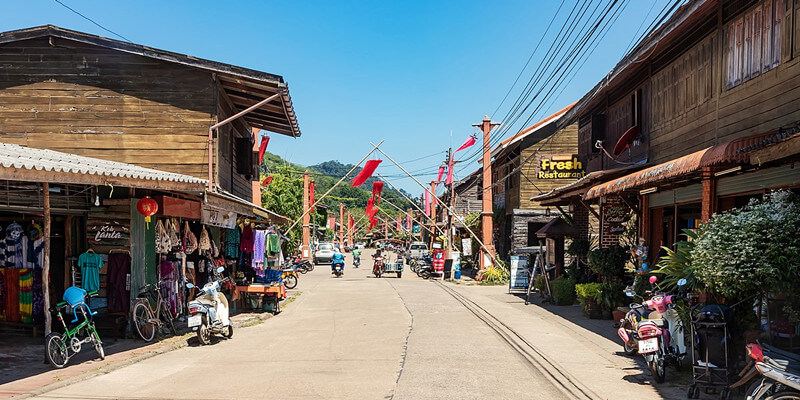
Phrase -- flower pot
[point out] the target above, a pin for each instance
(592, 310)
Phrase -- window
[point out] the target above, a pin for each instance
(753, 42)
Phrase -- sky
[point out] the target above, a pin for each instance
(415, 74)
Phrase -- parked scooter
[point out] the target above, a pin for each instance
(779, 371)
(659, 338)
(210, 311)
(289, 276)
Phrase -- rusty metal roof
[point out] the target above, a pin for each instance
(14, 156)
(557, 227)
(731, 151)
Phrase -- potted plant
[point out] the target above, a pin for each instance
(609, 262)
(588, 294)
(563, 291)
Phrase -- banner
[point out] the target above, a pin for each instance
(218, 218)
(332, 223)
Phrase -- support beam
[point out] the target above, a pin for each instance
(46, 267)
(488, 251)
(305, 248)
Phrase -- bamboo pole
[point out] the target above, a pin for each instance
(413, 203)
(46, 267)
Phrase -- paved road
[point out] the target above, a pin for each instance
(357, 337)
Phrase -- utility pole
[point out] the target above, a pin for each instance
(305, 249)
(486, 258)
(433, 211)
(349, 230)
(341, 226)
(450, 237)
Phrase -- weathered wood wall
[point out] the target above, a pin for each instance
(564, 141)
(228, 177)
(97, 102)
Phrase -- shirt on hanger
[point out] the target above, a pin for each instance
(90, 264)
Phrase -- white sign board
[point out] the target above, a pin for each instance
(219, 218)
(519, 273)
(466, 246)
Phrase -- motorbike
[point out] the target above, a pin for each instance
(302, 266)
(289, 276)
(377, 268)
(210, 311)
(659, 338)
(356, 262)
(779, 371)
(338, 270)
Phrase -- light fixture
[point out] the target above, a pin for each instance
(729, 171)
(97, 200)
(547, 211)
(648, 190)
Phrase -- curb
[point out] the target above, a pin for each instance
(178, 342)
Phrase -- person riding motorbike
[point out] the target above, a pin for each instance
(356, 255)
(338, 258)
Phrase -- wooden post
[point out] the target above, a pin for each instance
(305, 248)
(450, 236)
(487, 257)
(341, 226)
(433, 211)
(46, 267)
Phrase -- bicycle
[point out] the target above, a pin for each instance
(144, 316)
(59, 345)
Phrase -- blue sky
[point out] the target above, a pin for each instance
(407, 72)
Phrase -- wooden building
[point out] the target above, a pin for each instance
(690, 104)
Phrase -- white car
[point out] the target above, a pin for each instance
(324, 253)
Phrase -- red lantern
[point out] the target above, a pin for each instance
(147, 207)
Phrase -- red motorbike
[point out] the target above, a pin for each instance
(377, 268)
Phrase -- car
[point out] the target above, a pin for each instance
(324, 253)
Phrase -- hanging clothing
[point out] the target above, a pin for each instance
(26, 296)
(38, 297)
(162, 238)
(33, 253)
(2, 294)
(205, 241)
(119, 270)
(247, 239)
(273, 244)
(233, 239)
(13, 245)
(189, 240)
(259, 241)
(173, 233)
(12, 295)
(90, 264)
(169, 273)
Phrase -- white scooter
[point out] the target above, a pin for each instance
(210, 312)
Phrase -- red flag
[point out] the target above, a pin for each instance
(366, 173)
(372, 222)
(408, 221)
(427, 202)
(470, 141)
(262, 148)
(370, 205)
(311, 190)
(351, 223)
(266, 181)
(441, 172)
(377, 188)
(398, 224)
(449, 172)
(332, 223)
(372, 212)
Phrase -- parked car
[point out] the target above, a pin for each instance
(417, 250)
(323, 254)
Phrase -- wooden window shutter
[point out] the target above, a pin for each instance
(244, 156)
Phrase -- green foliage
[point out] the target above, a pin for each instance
(563, 291)
(579, 248)
(609, 262)
(495, 275)
(285, 196)
(540, 284)
(611, 296)
(752, 250)
(677, 264)
(587, 292)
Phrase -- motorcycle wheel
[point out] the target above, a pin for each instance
(302, 269)
(310, 267)
(228, 332)
(290, 281)
(657, 367)
(426, 274)
(785, 396)
(399, 274)
(628, 349)
(57, 352)
(204, 333)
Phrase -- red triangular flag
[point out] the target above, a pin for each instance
(366, 173)
(408, 221)
(266, 181)
(262, 148)
(351, 223)
(441, 172)
(449, 172)
(311, 190)
(427, 202)
(377, 188)
(470, 141)
(370, 205)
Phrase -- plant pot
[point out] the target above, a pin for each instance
(592, 310)
(618, 314)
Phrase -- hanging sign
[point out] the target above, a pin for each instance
(218, 218)
(109, 231)
(560, 167)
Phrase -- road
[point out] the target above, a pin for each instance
(357, 337)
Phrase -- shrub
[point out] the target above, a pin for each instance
(609, 262)
(579, 247)
(611, 296)
(495, 275)
(587, 292)
(540, 284)
(563, 291)
(753, 250)
(677, 264)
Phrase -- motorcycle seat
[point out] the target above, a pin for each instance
(784, 364)
(658, 322)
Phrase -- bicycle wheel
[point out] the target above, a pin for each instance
(98, 344)
(167, 318)
(143, 321)
(290, 281)
(57, 352)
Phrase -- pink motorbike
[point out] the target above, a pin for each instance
(655, 330)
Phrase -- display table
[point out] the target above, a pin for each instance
(269, 294)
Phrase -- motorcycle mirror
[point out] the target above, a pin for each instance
(220, 270)
(629, 292)
(189, 285)
(681, 282)
(653, 280)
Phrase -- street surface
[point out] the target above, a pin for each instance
(356, 337)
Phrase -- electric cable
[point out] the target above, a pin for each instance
(93, 21)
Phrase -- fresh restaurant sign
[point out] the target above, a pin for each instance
(560, 167)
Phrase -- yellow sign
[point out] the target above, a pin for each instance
(560, 167)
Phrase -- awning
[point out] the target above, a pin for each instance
(561, 195)
(557, 227)
(230, 202)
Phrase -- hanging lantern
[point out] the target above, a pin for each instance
(147, 207)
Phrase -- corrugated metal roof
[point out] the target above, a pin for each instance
(531, 129)
(731, 151)
(21, 157)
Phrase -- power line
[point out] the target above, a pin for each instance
(93, 21)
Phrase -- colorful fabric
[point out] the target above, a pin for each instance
(12, 292)
(90, 264)
(169, 286)
(366, 172)
(273, 244)
(38, 297)
(162, 238)
(2, 294)
(259, 242)
(189, 240)
(26, 296)
(247, 239)
(233, 238)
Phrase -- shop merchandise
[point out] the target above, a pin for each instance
(168, 285)
(259, 241)
(26, 296)
(38, 297)
(273, 245)
(11, 247)
(12, 292)
(162, 238)
(173, 233)
(205, 241)
(189, 240)
(247, 239)
(233, 239)
(119, 270)
(90, 264)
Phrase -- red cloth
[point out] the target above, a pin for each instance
(398, 224)
(408, 221)
(372, 213)
(351, 223)
(449, 172)
(262, 148)
(427, 202)
(332, 223)
(370, 205)
(470, 141)
(246, 243)
(439, 175)
(311, 190)
(366, 172)
(377, 188)
(12, 294)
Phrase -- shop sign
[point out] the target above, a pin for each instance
(466, 246)
(615, 215)
(560, 167)
(109, 232)
(519, 273)
(218, 218)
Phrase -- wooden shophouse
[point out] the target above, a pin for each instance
(671, 135)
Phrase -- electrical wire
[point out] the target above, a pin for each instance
(93, 21)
